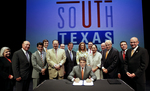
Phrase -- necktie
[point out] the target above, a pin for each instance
(46, 49)
(41, 57)
(27, 55)
(90, 51)
(106, 55)
(132, 53)
(82, 72)
(71, 56)
(124, 55)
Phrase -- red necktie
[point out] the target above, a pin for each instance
(124, 55)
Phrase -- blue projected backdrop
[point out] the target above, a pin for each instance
(83, 21)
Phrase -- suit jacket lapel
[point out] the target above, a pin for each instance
(109, 53)
(74, 55)
(25, 55)
(44, 56)
(84, 72)
(80, 72)
(68, 55)
(136, 51)
(104, 53)
(38, 56)
(53, 50)
(121, 56)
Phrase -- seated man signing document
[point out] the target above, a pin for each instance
(82, 72)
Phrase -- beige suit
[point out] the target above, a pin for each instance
(53, 60)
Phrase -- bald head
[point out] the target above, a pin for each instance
(26, 45)
(62, 46)
(103, 46)
(134, 42)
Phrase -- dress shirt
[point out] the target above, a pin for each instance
(125, 51)
(42, 55)
(25, 54)
(71, 52)
(89, 51)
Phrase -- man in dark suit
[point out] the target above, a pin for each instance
(136, 62)
(82, 72)
(70, 59)
(22, 67)
(109, 61)
(121, 61)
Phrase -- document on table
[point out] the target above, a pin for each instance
(88, 84)
(83, 83)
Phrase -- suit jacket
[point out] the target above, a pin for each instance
(21, 66)
(77, 73)
(52, 60)
(137, 63)
(110, 63)
(121, 63)
(37, 64)
(69, 64)
(5, 70)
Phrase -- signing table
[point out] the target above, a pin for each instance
(99, 85)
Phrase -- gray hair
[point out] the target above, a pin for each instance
(2, 51)
(108, 41)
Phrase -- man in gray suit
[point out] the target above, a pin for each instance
(82, 71)
(39, 64)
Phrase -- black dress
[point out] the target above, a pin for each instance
(6, 84)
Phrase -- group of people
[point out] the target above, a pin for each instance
(87, 64)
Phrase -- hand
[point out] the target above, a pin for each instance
(57, 66)
(18, 79)
(130, 75)
(94, 69)
(43, 70)
(105, 70)
(88, 80)
(77, 80)
(133, 75)
(11, 77)
(119, 75)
